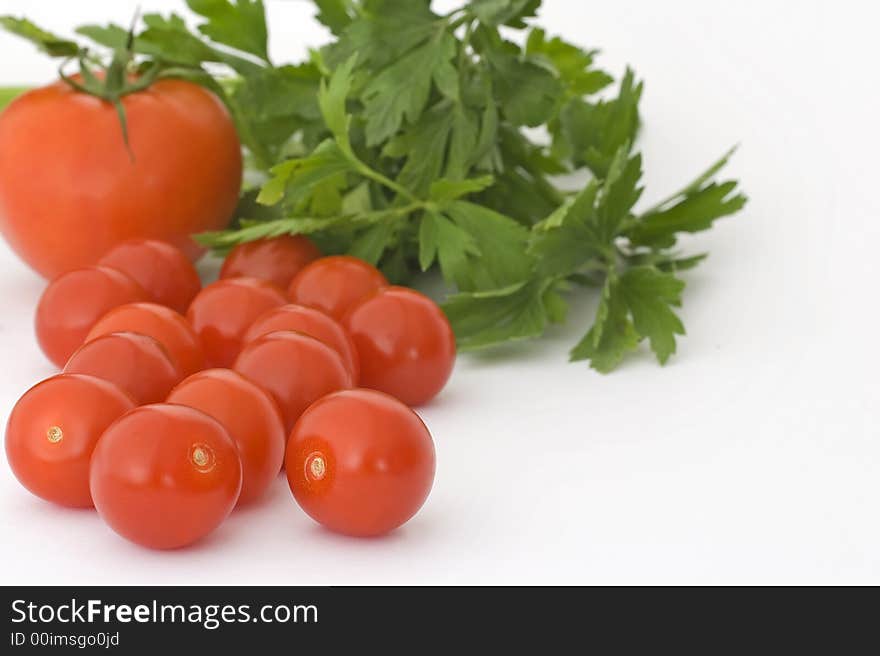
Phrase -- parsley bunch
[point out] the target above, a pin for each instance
(408, 142)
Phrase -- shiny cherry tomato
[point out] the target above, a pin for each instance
(163, 324)
(137, 364)
(52, 432)
(311, 322)
(222, 313)
(335, 284)
(163, 270)
(295, 368)
(72, 304)
(360, 462)
(180, 177)
(276, 260)
(405, 344)
(250, 415)
(164, 476)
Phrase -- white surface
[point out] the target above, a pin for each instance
(753, 458)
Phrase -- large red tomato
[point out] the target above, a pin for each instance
(70, 190)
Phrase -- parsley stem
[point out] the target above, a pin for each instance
(397, 188)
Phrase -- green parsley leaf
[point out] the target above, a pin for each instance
(52, 45)
(239, 24)
(590, 134)
(445, 190)
(573, 65)
(528, 93)
(612, 335)
(401, 91)
(504, 12)
(650, 295)
(694, 209)
(295, 179)
(336, 15)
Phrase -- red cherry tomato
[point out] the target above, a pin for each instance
(360, 462)
(164, 476)
(163, 324)
(137, 364)
(335, 284)
(222, 313)
(250, 416)
(163, 270)
(311, 322)
(405, 344)
(52, 432)
(70, 189)
(72, 304)
(275, 260)
(295, 368)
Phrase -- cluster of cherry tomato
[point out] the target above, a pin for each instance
(176, 403)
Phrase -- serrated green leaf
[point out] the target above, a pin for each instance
(400, 92)
(296, 179)
(573, 65)
(51, 44)
(424, 145)
(239, 24)
(620, 193)
(514, 313)
(332, 97)
(462, 153)
(111, 35)
(650, 295)
(569, 238)
(612, 335)
(334, 14)
(445, 190)
(501, 242)
(696, 212)
(441, 239)
(693, 209)
(504, 12)
(383, 31)
(370, 245)
(591, 134)
(528, 93)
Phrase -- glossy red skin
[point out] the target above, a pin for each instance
(70, 190)
(163, 324)
(311, 322)
(275, 260)
(137, 364)
(379, 462)
(405, 344)
(163, 270)
(82, 407)
(222, 313)
(295, 369)
(335, 284)
(249, 414)
(147, 485)
(74, 302)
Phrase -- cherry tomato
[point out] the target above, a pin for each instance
(222, 313)
(53, 430)
(137, 364)
(405, 344)
(72, 304)
(360, 462)
(295, 368)
(335, 284)
(311, 322)
(250, 416)
(164, 476)
(70, 189)
(163, 270)
(163, 324)
(275, 260)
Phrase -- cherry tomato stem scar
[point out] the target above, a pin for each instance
(54, 434)
(316, 466)
(202, 457)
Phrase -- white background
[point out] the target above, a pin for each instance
(752, 458)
